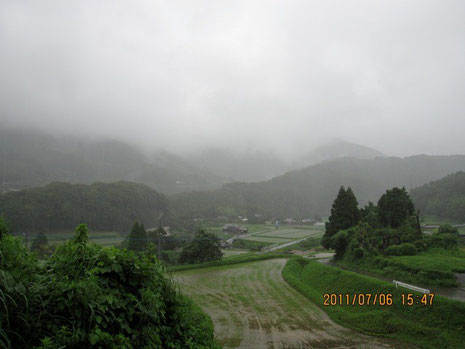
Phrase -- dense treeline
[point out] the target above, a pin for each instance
(367, 237)
(60, 206)
(87, 296)
(444, 198)
(310, 191)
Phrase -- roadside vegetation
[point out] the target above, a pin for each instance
(440, 325)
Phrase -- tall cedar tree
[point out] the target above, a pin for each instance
(344, 214)
(394, 207)
(204, 248)
(137, 238)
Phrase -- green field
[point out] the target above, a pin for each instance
(283, 235)
(101, 238)
(253, 307)
(288, 233)
(440, 325)
(272, 240)
(230, 252)
(442, 260)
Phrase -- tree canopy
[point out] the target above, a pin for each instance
(61, 206)
(444, 198)
(204, 247)
(394, 207)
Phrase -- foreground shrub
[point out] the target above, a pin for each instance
(88, 296)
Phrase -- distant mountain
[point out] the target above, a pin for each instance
(247, 166)
(444, 198)
(340, 149)
(170, 174)
(62, 206)
(31, 158)
(311, 190)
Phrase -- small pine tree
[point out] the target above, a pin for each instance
(137, 238)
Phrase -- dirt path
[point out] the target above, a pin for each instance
(253, 307)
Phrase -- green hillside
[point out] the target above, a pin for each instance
(60, 206)
(444, 198)
(311, 190)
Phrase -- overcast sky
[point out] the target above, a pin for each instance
(284, 75)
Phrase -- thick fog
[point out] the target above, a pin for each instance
(279, 75)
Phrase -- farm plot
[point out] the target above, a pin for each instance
(273, 240)
(282, 236)
(253, 307)
(289, 233)
(101, 238)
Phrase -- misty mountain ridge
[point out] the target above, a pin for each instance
(32, 158)
(311, 190)
(339, 148)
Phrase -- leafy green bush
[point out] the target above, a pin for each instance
(205, 247)
(446, 241)
(447, 229)
(405, 249)
(88, 296)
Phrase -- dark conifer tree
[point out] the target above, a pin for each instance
(137, 238)
(344, 214)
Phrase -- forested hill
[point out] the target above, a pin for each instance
(311, 190)
(31, 158)
(61, 206)
(444, 198)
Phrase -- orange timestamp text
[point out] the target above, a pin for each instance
(372, 299)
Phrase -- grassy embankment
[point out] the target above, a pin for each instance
(436, 267)
(441, 325)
